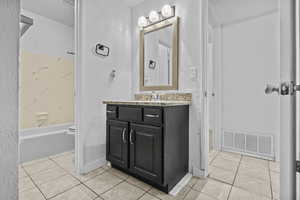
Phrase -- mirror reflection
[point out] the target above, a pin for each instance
(158, 57)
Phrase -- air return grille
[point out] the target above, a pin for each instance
(256, 145)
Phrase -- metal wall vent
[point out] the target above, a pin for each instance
(251, 144)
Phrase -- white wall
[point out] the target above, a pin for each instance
(106, 22)
(9, 40)
(189, 59)
(47, 37)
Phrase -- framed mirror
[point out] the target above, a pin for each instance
(159, 56)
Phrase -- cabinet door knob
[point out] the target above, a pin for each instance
(123, 135)
(131, 137)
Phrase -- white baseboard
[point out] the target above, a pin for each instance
(181, 184)
(94, 165)
(198, 172)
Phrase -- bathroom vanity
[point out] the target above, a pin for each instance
(149, 140)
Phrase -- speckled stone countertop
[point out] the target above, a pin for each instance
(149, 103)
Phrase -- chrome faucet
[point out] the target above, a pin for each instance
(155, 96)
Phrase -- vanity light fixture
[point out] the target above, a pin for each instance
(154, 17)
(143, 21)
(167, 11)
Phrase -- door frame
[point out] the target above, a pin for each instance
(288, 112)
(79, 164)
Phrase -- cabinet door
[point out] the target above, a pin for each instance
(146, 152)
(117, 143)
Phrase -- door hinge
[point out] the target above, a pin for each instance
(298, 166)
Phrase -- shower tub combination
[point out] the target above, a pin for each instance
(38, 143)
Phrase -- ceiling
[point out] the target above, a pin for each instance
(58, 10)
(228, 11)
(132, 3)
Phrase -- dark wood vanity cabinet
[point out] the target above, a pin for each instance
(150, 143)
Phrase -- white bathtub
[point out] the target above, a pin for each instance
(42, 142)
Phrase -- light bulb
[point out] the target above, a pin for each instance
(167, 11)
(153, 16)
(142, 22)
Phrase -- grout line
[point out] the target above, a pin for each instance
(64, 191)
(236, 173)
(142, 196)
(270, 178)
(34, 183)
(81, 182)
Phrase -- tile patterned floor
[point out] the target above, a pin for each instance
(231, 177)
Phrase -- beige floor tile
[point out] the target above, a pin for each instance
(275, 182)
(230, 156)
(25, 184)
(124, 191)
(274, 166)
(118, 173)
(212, 155)
(216, 189)
(57, 186)
(39, 166)
(139, 184)
(77, 193)
(239, 194)
(254, 162)
(195, 195)
(34, 161)
(257, 172)
(222, 175)
(67, 153)
(225, 164)
(254, 185)
(90, 175)
(103, 182)
(201, 182)
(22, 173)
(148, 197)
(66, 162)
(48, 175)
(32, 194)
(193, 181)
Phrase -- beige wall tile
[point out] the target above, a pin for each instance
(46, 86)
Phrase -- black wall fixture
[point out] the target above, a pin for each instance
(102, 50)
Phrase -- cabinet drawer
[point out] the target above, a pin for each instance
(112, 112)
(130, 113)
(153, 115)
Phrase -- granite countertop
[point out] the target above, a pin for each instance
(148, 103)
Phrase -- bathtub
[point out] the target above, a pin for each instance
(38, 143)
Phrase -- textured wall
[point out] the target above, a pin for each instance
(106, 22)
(9, 48)
(46, 90)
(46, 73)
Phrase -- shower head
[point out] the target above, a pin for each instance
(25, 24)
